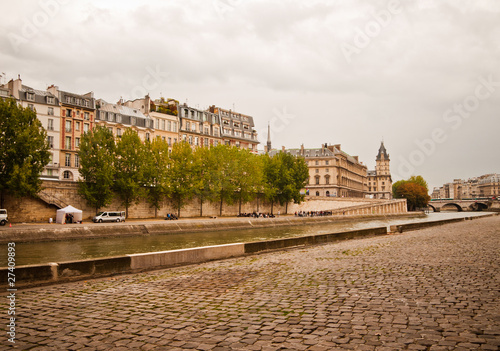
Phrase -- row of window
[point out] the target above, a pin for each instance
(169, 126)
(77, 101)
(30, 96)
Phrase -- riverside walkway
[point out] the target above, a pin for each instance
(432, 289)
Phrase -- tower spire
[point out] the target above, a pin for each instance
(268, 136)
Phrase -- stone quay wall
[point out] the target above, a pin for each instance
(57, 194)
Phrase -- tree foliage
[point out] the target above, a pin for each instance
(129, 179)
(24, 150)
(97, 167)
(414, 190)
(156, 176)
(182, 175)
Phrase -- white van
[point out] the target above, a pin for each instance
(109, 216)
(3, 217)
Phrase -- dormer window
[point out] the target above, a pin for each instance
(30, 96)
(50, 100)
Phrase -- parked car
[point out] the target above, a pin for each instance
(3, 217)
(109, 216)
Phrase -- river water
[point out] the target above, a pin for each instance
(71, 250)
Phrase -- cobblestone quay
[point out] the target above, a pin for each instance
(433, 289)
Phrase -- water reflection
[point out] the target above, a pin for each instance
(71, 250)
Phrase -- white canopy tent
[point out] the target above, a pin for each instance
(61, 214)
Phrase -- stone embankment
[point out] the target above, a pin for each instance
(432, 289)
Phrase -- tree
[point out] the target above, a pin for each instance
(156, 175)
(24, 150)
(97, 167)
(181, 174)
(248, 176)
(285, 175)
(414, 190)
(130, 158)
(225, 168)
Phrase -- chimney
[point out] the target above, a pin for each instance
(302, 149)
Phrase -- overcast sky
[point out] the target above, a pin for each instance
(424, 76)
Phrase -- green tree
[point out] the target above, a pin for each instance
(97, 167)
(414, 190)
(129, 180)
(156, 177)
(249, 176)
(285, 175)
(182, 175)
(224, 175)
(24, 151)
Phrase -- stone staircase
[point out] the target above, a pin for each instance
(51, 199)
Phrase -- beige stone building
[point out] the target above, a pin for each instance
(332, 172)
(380, 180)
(485, 186)
(46, 106)
(118, 117)
(237, 129)
(199, 128)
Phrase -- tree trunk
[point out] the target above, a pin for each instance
(239, 210)
(258, 197)
(179, 208)
(156, 211)
(220, 211)
(201, 205)
(286, 208)
(272, 205)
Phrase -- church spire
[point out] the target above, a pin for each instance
(382, 151)
(268, 137)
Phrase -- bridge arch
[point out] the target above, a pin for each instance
(478, 206)
(432, 207)
(451, 204)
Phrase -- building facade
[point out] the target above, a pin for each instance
(199, 128)
(332, 172)
(117, 118)
(485, 186)
(380, 180)
(46, 106)
(237, 129)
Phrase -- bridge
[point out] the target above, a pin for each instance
(464, 205)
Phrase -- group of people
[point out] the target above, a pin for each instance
(171, 217)
(312, 213)
(257, 215)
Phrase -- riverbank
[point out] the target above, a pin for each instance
(55, 232)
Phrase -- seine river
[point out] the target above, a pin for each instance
(71, 250)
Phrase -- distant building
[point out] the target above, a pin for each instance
(237, 129)
(77, 118)
(380, 180)
(46, 106)
(487, 185)
(118, 117)
(199, 128)
(332, 172)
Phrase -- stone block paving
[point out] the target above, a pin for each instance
(433, 289)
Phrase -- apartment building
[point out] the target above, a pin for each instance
(199, 128)
(237, 129)
(46, 106)
(117, 118)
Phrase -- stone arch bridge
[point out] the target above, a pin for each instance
(462, 205)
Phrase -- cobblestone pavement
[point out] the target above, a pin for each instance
(433, 289)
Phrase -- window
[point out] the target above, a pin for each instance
(206, 141)
(187, 125)
(147, 136)
(118, 132)
(174, 126)
(86, 103)
(67, 143)
(326, 162)
(193, 127)
(162, 124)
(68, 126)
(196, 141)
(317, 193)
(50, 140)
(50, 124)
(31, 107)
(317, 180)
(237, 133)
(77, 142)
(77, 161)
(85, 127)
(327, 170)
(30, 96)
(68, 99)
(317, 163)
(207, 130)
(317, 170)
(67, 160)
(77, 126)
(190, 140)
(50, 111)
(169, 126)
(68, 112)
(327, 179)
(50, 100)
(118, 118)
(169, 141)
(67, 175)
